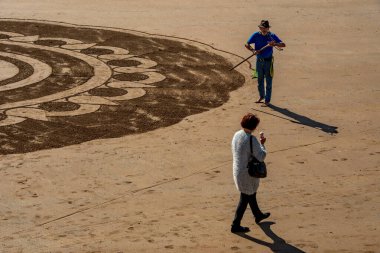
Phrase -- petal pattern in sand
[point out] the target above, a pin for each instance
(116, 50)
(88, 99)
(110, 57)
(132, 70)
(11, 120)
(31, 113)
(78, 46)
(128, 84)
(66, 40)
(83, 109)
(132, 93)
(27, 39)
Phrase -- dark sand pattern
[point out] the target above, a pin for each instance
(124, 63)
(59, 106)
(131, 77)
(101, 84)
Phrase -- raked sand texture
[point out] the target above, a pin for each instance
(116, 119)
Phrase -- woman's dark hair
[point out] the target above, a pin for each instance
(249, 121)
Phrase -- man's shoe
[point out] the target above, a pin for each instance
(239, 229)
(267, 103)
(262, 217)
(259, 100)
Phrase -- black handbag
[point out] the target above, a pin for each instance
(255, 167)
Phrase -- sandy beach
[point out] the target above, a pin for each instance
(156, 175)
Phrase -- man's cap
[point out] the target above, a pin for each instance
(264, 23)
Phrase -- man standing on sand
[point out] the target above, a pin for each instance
(264, 41)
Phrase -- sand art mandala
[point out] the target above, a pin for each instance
(65, 84)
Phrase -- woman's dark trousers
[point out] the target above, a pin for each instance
(243, 203)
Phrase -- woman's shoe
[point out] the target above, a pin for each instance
(239, 229)
(262, 217)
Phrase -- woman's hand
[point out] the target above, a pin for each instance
(262, 138)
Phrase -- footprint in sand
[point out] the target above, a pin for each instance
(22, 181)
(114, 232)
(149, 240)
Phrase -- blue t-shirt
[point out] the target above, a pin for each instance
(260, 41)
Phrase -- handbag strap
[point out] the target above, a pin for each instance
(250, 143)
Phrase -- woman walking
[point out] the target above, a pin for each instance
(246, 184)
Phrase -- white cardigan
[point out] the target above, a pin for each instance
(241, 152)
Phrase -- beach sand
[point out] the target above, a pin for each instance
(171, 189)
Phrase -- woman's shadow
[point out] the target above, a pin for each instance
(300, 119)
(278, 245)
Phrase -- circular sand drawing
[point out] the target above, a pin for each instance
(65, 84)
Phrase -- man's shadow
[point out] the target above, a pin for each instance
(278, 245)
(303, 120)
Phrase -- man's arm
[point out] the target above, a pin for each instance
(248, 46)
(277, 44)
(250, 41)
